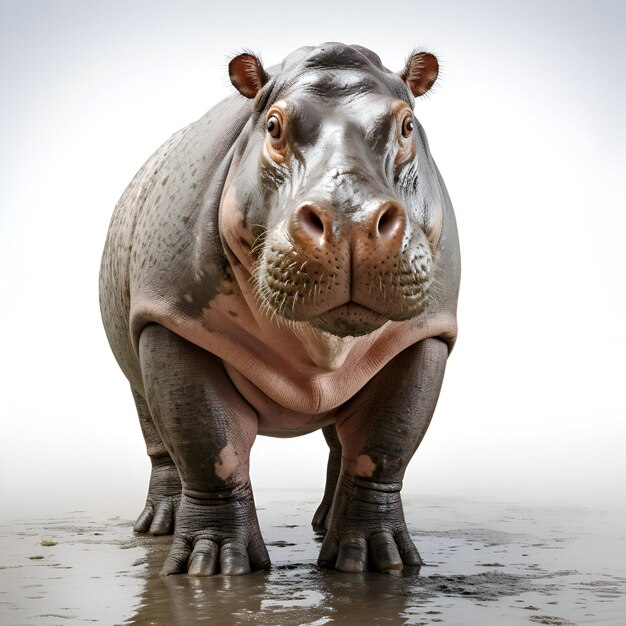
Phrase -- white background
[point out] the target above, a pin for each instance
(527, 127)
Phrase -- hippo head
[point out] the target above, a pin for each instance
(333, 203)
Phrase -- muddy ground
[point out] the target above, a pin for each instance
(485, 564)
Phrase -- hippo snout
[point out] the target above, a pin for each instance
(346, 272)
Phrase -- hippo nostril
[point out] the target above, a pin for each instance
(385, 222)
(315, 221)
(390, 219)
(311, 221)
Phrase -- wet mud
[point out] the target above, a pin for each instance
(485, 564)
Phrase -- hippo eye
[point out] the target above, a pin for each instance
(273, 126)
(276, 122)
(407, 126)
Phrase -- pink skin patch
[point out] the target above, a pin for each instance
(227, 462)
(231, 220)
(364, 466)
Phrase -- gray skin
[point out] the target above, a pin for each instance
(288, 262)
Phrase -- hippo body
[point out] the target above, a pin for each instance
(288, 262)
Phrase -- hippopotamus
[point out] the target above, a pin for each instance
(288, 262)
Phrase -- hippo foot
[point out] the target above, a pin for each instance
(367, 529)
(159, 514)
(217, 533)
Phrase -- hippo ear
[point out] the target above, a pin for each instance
(420, 72)
(247, 74)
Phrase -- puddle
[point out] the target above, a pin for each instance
(485, 564)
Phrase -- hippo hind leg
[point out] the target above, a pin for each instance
(322, 514)
(159, 513)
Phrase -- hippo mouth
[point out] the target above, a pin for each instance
(349, 319)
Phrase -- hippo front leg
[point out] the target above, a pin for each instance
(208, 429)
(379, 430)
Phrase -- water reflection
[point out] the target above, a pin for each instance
(288, 594)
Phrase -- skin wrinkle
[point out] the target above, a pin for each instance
(242, 295)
